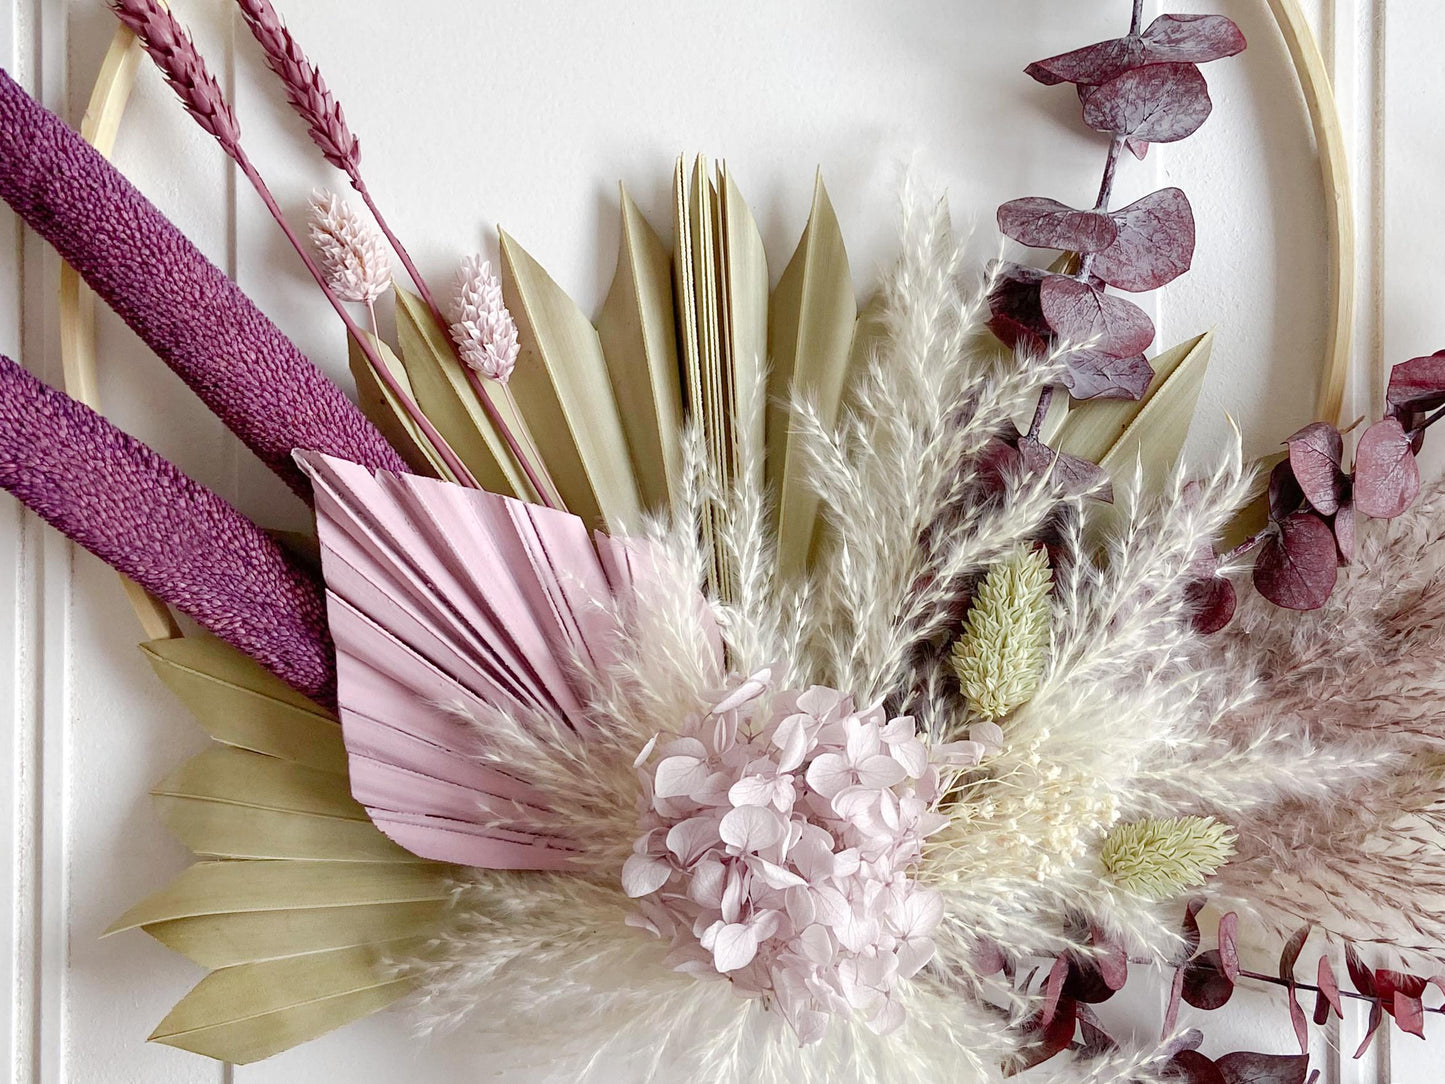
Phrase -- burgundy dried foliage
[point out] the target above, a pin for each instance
(1361, 977)
(1247, 1068)
(1206, 986)
(1377, 1017)
(1158, 103)
(1285, 495)
(1153, 245)
(1045, 223)
(1329, 986)
(1299, 564)
(1345, 532)
(1194, 39)
(1387, 476)
(1192, 1067)
(1094, 374)
(1289, 955)
(1417, 386)
(1212, 601)
(1297, 1018)
(1315, 453)
(1229, 946)
(1046, 1040)
(1073, 475)
(1085, 315)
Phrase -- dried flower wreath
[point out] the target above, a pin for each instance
(730, 685)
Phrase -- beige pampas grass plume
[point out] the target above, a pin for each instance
(1000, 656)
(1160, 858)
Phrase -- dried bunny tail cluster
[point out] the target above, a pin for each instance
(306, 90)
(1118, 697)
(482, 327)
(598, 996)
(351, 252)
(898, 476)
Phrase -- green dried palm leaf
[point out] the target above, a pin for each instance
(241, 704)
(388, 414)
(810, 338)
(246, 1013)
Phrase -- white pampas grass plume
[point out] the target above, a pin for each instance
(482, 328)
(1160, 858)
(1000, 656)
(350, 249)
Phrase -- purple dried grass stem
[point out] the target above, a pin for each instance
(167, 43)
(184, 308)
(137, 512)
(314, 103)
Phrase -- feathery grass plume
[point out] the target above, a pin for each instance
(352, 254)
(1162, 858)
(120, 500)
(482, 328)
(313, 101)
(183, 307)
(1348, 838)
(999, 658)
(170, 47)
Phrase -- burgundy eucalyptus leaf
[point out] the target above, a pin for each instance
(1417, 385)
(1091, 65)
(1345, 524)
(988, 958)
(1315, 453)
(1212, 601)
(1322, 1009)
(1387, 475)
(1329, 985)
(1017, 318)
(1085, 315)
(1160, 103)
(1139, 148)
(1075, 476)
(1229, 946)
(1051, 1039)
(1053, 989)
(1377, 1017)
(1409, 1014)
(1192, 1067)
(1297, 1018)
(1171, 1007)
(1248, 1068)
(1206, 986)
(1360, 975)
(1190, 928)
(1154, 244)
(1297, 568)
(1193, 39)
(1092, 374)
(1111, 960)
(1388, 983)
(1285, 495)
(1289, 955)
(1046, 223)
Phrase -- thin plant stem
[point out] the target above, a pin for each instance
(371, 312)
(1275, 980)
(1041, 412)
(533, 471)
(449, 457)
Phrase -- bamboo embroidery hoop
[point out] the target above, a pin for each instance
(108, 99)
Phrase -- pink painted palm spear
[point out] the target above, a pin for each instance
(134, 510)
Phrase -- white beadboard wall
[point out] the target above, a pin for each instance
(527, 112)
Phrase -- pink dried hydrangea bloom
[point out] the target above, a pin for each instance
(778, 834)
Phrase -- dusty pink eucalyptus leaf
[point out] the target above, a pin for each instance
(1193, 39)
(1387, 475)
(1329, 986)
(1092, 374)
(1244, 1067)
(1154, 245)
(1206, 986)
(1409, 1014)
(1229, 946)
(1297, 568)
(1046, 223)
(1160, 103)
(1085, 315)
(1091, 65)
(1417, 385)
(1074, 475)
(1315, 453)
